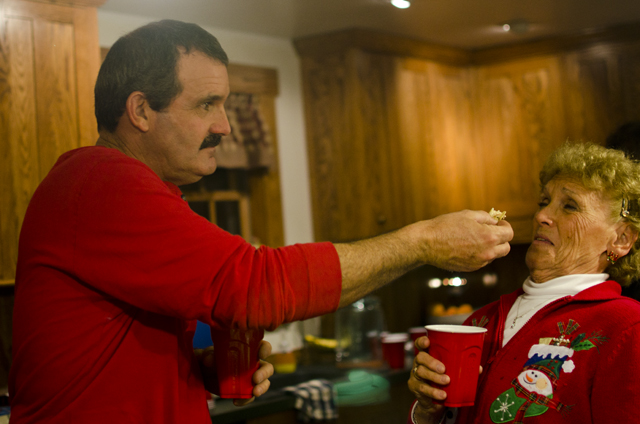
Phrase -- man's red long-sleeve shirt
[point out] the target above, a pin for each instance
(113, 270)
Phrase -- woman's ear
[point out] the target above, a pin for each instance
(627, 236)
(137, 110)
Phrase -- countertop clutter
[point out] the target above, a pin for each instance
(4, 408)
(381, 386)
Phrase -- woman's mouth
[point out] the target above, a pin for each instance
(542, 240)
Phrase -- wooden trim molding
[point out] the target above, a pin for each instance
(253, 80)
(73, 3)
(377, 42)
(7, 282)
(612, 36)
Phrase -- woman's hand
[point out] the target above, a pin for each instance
(426, 370)
(261, 381)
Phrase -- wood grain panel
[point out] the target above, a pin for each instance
(593, 96)
(339, 42)
(57, 108)
(38, 10)
(519, 122)
(253, 80)
(87, 63)
(607, 38)
(264, 184)
(416, 140)
(50, 58)
(6, 176)
(22, 137)
(326, 116)
(630, 81)
(459, 172)
(76, 3)
(374, 160)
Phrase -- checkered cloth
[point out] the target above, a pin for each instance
(315, 400)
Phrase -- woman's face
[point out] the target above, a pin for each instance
(572, 231)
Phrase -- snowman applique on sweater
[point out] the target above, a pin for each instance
(532, 391)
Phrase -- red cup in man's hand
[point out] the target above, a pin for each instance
(236, 355)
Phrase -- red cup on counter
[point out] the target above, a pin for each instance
(415, 333)
(393, 349)
(459, 348)
(236, 355)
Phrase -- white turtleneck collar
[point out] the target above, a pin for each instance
(538, 295)
(568, 285)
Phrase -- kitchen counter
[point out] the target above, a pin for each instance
(276, 401)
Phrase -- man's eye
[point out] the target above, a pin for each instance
(206, 105)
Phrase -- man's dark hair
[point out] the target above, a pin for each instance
(146, 60)
(626, 138)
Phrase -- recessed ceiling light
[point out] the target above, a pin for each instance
(518, 26)
(401, 4)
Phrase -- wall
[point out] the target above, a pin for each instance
(271, 52)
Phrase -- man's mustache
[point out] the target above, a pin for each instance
(212, 140)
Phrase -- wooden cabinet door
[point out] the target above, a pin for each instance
(352, 143)
(49, 60)
(519, 121)
(441, 170)
(629, 61)
(592, 86)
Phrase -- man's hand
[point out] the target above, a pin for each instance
(465, 241)
(460, 241)
(261, 381)
(261, 377)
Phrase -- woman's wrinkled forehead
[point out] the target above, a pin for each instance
(574, 187)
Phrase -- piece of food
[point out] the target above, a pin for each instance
(499, 215)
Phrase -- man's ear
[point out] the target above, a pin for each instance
(627, 236)
(138, 110)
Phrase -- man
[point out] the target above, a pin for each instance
(114, 268)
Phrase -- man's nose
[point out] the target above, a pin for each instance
(221, 125)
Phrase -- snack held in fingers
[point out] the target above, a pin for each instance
(499, 215)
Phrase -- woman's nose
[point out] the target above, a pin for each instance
(543, 216)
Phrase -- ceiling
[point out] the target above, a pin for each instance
(457, 23)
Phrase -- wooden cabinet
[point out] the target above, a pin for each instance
(351, 130)
(265, 195)
(399, 133)
(49, 60)
(439, 168)
(518, 122)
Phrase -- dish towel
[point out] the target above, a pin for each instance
(315, 400)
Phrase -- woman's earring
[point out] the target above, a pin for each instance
(612, 257)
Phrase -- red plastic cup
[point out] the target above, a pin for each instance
(459, 348)
(236, 355)
(415, 333)
(393, 349)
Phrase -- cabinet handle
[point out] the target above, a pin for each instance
(382, 219)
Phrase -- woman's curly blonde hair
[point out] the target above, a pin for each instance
(615, 175)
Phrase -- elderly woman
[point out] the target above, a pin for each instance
(566, 347)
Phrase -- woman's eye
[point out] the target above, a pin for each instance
(570, 207)
(542, 204)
